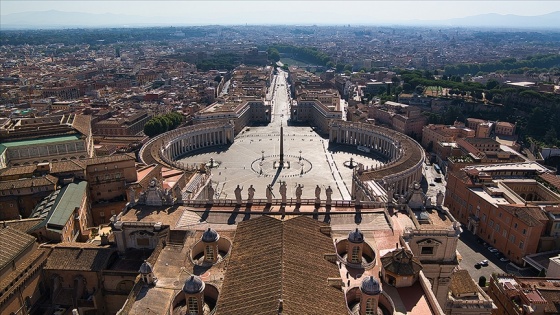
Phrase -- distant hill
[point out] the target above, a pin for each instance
(549, 21)
(60, 19)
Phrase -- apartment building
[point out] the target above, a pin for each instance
(503, 205)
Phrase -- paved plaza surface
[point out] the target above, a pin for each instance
(242, 162)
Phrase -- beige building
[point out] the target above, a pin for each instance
(47, 139)
(109, 176)
(441, 133)
(21, 263)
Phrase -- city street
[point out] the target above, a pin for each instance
(472, 253)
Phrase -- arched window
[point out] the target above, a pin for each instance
(369, 307)
(209, 253)
(192, 305)
(355, 255)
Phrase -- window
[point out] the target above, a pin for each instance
(515, 225)
(500, 215)
(427, 250)
(369, 307)
(192, 305)
(483, 217)
(524, 232)
(209, 253)
(491, 223)
(512, 238)
(504, 233)
(497, 228)
(521, 244)
(355, 255)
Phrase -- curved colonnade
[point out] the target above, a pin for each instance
(169, 146)
(405, 155)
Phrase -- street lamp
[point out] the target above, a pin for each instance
(300, 155)
(262, 155)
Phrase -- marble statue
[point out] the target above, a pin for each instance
(317, 194)
(439, 199)
(283, 190)
(250, 193)
(390, 193)
(359, 196)
(237, 192)
(269, 193)
(131, 195)
(210, 193)
(329, 193)
(299, 191)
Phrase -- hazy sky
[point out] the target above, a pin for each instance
(328, 12)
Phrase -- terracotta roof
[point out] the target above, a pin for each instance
(13, 243)
(82, 123)
(67, 166)
(272, 260)
(18, 170)
(552, 179)
(530, 215)
(110, 158)
(462, 284)
(401, 262)
(552, 298)
(82, 257)
(23, 225)
(46, 180)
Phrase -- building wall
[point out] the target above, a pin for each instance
(108, 180)
(496, 226)
(66, 150)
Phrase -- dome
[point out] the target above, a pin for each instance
(370, 286)
(145, 268)
(193, 284)
(356, 236)
(210, 236)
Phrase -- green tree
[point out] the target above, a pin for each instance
(273, 54)
(491, 84)
(153, 128)
(550, 136)
(482, 281)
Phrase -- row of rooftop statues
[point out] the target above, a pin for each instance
(270, 194)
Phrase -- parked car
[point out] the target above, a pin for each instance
(484, 263)
(59, 311)
(492, 249)
(477, 266)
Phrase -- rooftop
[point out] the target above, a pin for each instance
(69, 198)
(14, 242)
(280, 260)
(41, 141)
(79, 256)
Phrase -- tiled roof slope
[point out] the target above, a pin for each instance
(13, 243)
(84, 258)
(273, 260)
